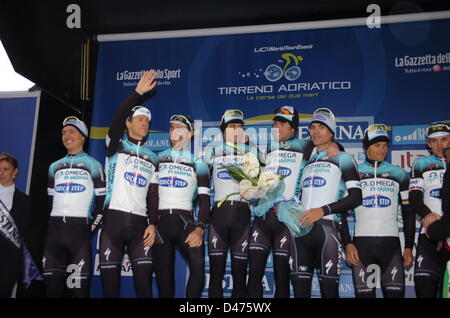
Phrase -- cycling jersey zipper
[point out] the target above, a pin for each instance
(67, 192)
(375, 177)
(312, 178)
(135, 174)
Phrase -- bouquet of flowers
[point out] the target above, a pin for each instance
(250, 186)
(267, 188)
(289, 212)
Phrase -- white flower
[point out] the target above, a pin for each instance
(268, 181)
(248, 191)
(250, 165)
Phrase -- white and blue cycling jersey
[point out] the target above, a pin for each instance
(74, 182)
(181, 177)
(427, 175)
(226, 154)
(384, 187)
(130, 171)
(287, 159)
(325, 182)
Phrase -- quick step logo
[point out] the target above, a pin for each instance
(378, 201)
(172, 182)
(315, 182)
(135, 179)
(284, 171)
(69, 188)
(224, 175)
(435, 193)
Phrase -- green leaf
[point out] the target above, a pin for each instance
(236, 173)
(226, 198)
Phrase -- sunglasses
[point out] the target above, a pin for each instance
(182, 119)
(285, 110)
(71, 118)
(378, 127)
(234, 113)
(231, 114)
(324, 110)
(438, 127)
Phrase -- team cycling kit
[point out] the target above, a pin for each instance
(427, 176)
(131, 192)
(183, 180)
(285, 159)
(76, 189)
(230, 223)
(384, 186)
(324, 184)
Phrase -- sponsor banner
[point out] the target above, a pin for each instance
(409, 134)
(348, 130)
(405, 158)
(439, 62)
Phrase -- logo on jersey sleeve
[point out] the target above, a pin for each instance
(136, 179)
(69, 187)
(173, 182)
(315, 182)
(415, 184)
(373, 201)
(435, 193)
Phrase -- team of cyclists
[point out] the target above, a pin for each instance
(145, 202)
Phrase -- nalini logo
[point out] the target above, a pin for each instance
(172, 182)
(224, 175)
(315, 182)
(69, 188)
(435, 193)
(135, 179)
(284, 171)
(374, 201)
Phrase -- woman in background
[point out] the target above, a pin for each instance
(17, 205)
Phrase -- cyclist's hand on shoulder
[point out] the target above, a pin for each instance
(333, 150)
(430, 218)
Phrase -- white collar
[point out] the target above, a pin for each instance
(8, 188)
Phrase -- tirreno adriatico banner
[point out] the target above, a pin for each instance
(398, 74)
